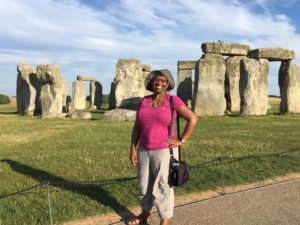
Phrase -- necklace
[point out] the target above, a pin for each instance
(156, 100)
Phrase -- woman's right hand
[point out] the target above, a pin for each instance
(133, 156)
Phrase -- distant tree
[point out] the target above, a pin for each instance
(4, 99)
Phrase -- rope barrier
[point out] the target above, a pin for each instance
(22, 191)
(215, 162)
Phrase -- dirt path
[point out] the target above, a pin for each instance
(182, 200)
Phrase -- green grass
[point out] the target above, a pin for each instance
(34, 150)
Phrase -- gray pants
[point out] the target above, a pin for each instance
(153, 170)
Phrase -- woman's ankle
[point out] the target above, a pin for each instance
(164, 222)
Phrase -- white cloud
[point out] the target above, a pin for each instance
(85, 38)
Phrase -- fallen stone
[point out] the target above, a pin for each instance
(120, 114)
(80, 115)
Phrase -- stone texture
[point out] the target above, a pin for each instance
(98, 95)
(208, 97)
(212, 56)
(232, 80)
(51, 91)
(78, 95)
(184, 85)
(86, 78)
(128, 85)
(229, 49)
(289, 84)
(80, 115)
(187, 64)
(92, 94)
(28, 90)
(272, 54)
(120, 114)
(254, 86)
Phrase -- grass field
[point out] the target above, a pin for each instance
(77, 156)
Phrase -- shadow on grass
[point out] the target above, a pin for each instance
(8, 113)
(93, 191)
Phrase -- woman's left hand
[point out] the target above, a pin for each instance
(173, 142)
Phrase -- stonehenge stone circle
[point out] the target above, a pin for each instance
(227, 76)
(246, 79)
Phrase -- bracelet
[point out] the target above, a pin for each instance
(182, 140)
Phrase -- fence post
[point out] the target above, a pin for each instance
(49, 202)
(222, 177)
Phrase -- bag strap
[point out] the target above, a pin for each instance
(170, 128)
(171, 123)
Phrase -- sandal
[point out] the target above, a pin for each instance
(140, 219)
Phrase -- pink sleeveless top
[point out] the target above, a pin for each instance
(153, 122)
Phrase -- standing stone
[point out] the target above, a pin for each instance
(64, 96)
(128, 84)
(112, 96)
(51, 91)
(92, 94)
(232, 80)
(184, 85)
(208, 94)
(28, 90)
(78, 95)
(289, 84)
(184, 80)
(98, 95)
(254, 86)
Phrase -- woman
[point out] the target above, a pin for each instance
(152, 157)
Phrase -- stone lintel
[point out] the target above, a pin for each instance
(212, 56)
(272, 54)
(227, 49)
(189, 64)
(86, 78)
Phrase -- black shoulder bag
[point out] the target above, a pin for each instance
(178, 170)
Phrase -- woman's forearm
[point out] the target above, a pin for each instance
(191, 123)
(135, 136)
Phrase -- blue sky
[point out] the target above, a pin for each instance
(88, 37)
